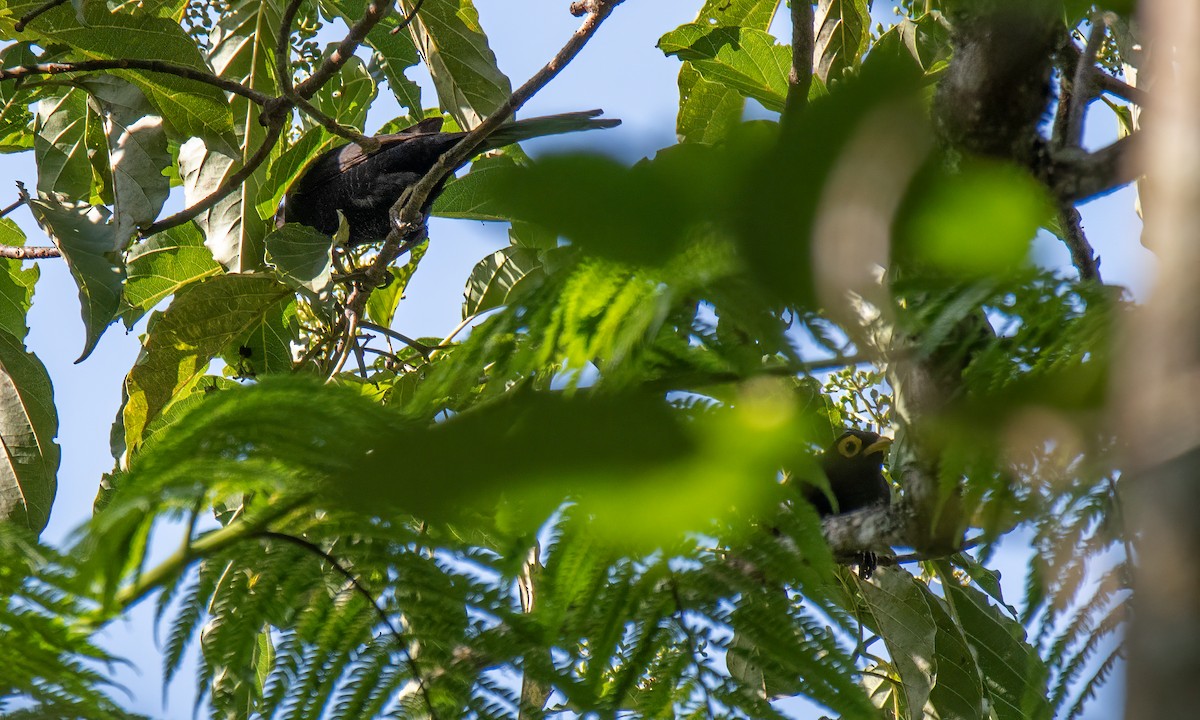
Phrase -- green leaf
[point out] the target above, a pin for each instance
(137, 150)
(16, 284)
(469, 197)
(347, 96)
(267, 348)
(396, 51)
(15, 98)
(85, 238)
(60, 146)
(900, 608)
(498, 276)
(469, 84)
(958, 691)
(842, 29)
(644, 214)
(381, 306)
(639, 468)
(746, 60)
(202, 320)
(189, 108)
(202, 172)
(162, 264)
(708, 110)
(979, 221)
(1014, 675)
(243, 48)
(303, 257)
(28, 424)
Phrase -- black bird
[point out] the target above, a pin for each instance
(364, 186)
(854, 467)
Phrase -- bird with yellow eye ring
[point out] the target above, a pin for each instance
(854, 468)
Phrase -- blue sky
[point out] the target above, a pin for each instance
(622, 72)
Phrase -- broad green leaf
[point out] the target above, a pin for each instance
(469, 84)
(348, 94)
(302, 256)
(15, 98)
(979, 221)
(1014, 675)
(957, 692)
(28, 424)
(242, 48)
(900, 609)
(468, 197)
(162, 264)
(137, 150)
(396, 51)
(287, 166)
(707, 110)
(60, 146)
(926, 40)
(498, 276)
(203, 171)
(84, 236)
(842, 29)
(267, 348)
(16, 284)
(642, 214)
(381, 306)
(202, 320)
(189, 108)
(743, 59)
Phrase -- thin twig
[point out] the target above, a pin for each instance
(274, 129)
(800, 76)
(345, 346)
(1083, 257)
(16, 204)
(32, 14)
(183, 71)
(414, 344)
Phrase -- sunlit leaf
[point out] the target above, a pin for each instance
(162, 264)
(202, 320)
(746, 60)
(469, 84)
(85, 237)
(28, 424)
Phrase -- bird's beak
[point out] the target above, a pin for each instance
(881, 446)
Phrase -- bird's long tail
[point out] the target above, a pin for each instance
(519, 130)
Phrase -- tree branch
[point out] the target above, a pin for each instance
(800, 76)
(158, 66)
(1083, 257)
(376, 11)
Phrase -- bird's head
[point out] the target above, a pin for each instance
(859, 448)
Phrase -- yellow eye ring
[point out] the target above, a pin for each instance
(850, 446)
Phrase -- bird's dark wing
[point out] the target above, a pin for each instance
(338, 160)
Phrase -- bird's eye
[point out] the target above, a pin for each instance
(850, 446)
